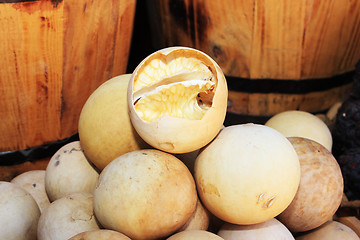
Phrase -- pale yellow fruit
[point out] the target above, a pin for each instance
(34, 183)
(19, 213)
(101, 234)
(248, 174)
(177, 98)
(302, 124)
(67, 216)
(195, 235)
(321, 187)
(105, 130)
(145, 194)
(69, 171)
(270, 230)
(331, 230)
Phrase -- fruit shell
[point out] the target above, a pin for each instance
(180, 135)
(195, 235)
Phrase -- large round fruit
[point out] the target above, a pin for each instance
(248, 174)
(195, 235)
(302, 124)
(177, 99)
(145, 194)
(101, 234)
(105, 130)
(320, 191)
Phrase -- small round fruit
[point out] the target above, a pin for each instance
(101, 234)
(69, 171)
(301, 124)
(105, 130)
(270, 230)
(248, 174)
(19, 213)
(145, 194)
(195, 235)
(177, 98)
(34, 183)
(67, 216)
(199, 220)
(321, 187)
(331, 230)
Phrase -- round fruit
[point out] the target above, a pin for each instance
(199, 220)
(177, 98)
(66, 217)
(195, 235)
(105, 130)
(34, 183)
(248, 174)
(331, 230)
(145, 194)
(101, 234)
(320, 191)
(270, 230)
(19, 213)
(301, 124)
(69, 171)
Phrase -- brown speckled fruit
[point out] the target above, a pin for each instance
(177, 98)
(320, 190)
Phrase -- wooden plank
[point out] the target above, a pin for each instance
(30, 99)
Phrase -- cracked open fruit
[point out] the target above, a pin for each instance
(177, 98)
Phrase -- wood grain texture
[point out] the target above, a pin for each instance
(265, 39)
(268, 39)
(53, 56)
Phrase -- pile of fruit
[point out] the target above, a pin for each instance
(154, 161)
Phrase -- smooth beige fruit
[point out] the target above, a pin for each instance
(34, 183)
(302, 124)
(101, 234)
(331, 230)
(145, 194)
(19, 213)
(69, 171)
(270, 230)
(321, 187)
(195, 235)
(105, 130)
(177, 98)
(248, 174)
(67, 216)
(199, 220)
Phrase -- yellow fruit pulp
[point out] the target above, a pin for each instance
(181, 87)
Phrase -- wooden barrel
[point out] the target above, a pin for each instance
(54, 54)
(277, 54)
